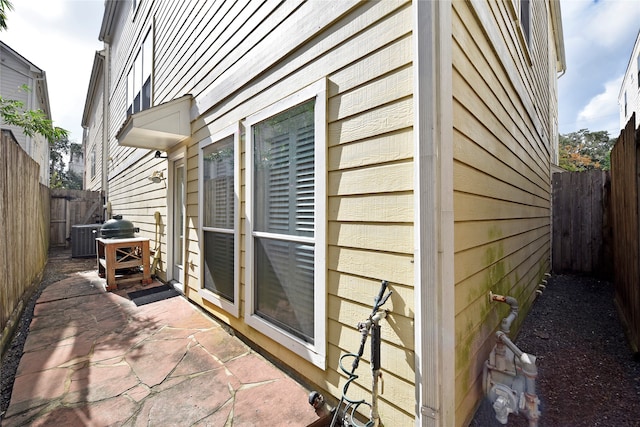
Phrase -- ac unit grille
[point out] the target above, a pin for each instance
(83, 240)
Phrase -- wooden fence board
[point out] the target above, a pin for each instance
(24, 205)
(579, 231)
(625, 167)
(69, 208)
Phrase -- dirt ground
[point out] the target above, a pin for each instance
(588, 375)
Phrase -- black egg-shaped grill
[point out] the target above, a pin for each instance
(118, 228)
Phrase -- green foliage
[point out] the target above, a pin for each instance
(584, 150)
(59, 176)
(32, 122)
(73, 181)
(57, 149)
(5, 5)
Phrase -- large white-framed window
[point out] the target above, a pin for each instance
(286, 217)
(219, 192)
(139, 79)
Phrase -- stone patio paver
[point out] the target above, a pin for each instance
(94, 358)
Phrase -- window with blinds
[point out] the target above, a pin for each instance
(286, 218)
(218, 217)
(284, 206)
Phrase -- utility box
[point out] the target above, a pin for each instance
(83, 240)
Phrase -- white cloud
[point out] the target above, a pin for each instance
(598, 38)
(602, 111)
(604, 103)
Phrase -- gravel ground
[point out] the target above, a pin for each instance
(588, 375)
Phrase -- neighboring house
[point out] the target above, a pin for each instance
(629, 96)
(16, 72)
(316, 148)
(94, 139)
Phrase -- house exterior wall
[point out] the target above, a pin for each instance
(365, 57)
(92, 142)
(363, 53)
(130, 192)
(505, 132)
(16, 72)
(241, 59)
(92, 124)
(629, 97)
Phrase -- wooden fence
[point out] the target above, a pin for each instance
(72, 207)
(581, 223)
(625, 205)
(24, 227)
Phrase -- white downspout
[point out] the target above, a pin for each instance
(433, 193)
(105, 129)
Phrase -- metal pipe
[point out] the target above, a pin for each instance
(507, 321)
(505, 339)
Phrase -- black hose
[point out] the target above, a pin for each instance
(364, 328)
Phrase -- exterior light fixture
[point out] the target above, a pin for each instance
(156, 177)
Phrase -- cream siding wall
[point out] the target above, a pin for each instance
(238, 58)
(93, 143)
(366, 58)
(15, 72)
(505, 122)
(131, 193)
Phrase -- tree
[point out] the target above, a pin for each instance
(585, 150)
(57, 175)
(31, 121)
(5, 5)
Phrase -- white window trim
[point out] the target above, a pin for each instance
(314, 353)
(515, 11)
(232, 308)
(179, 154)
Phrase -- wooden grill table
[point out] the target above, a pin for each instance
(116, 255)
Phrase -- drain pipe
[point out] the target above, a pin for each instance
(510, 374)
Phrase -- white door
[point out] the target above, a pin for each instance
(178, 221)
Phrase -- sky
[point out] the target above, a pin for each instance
(598, 40)
(61, 37)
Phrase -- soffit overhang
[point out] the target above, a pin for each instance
(158, 128)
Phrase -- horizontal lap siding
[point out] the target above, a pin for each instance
(94, 143)
(130, 192)
(366, 58)
(501, 180)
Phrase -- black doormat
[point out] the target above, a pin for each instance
(158, 293)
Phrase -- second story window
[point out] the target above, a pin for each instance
(139, 78)
(525, 20)
(93, 162)
(521, 14)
